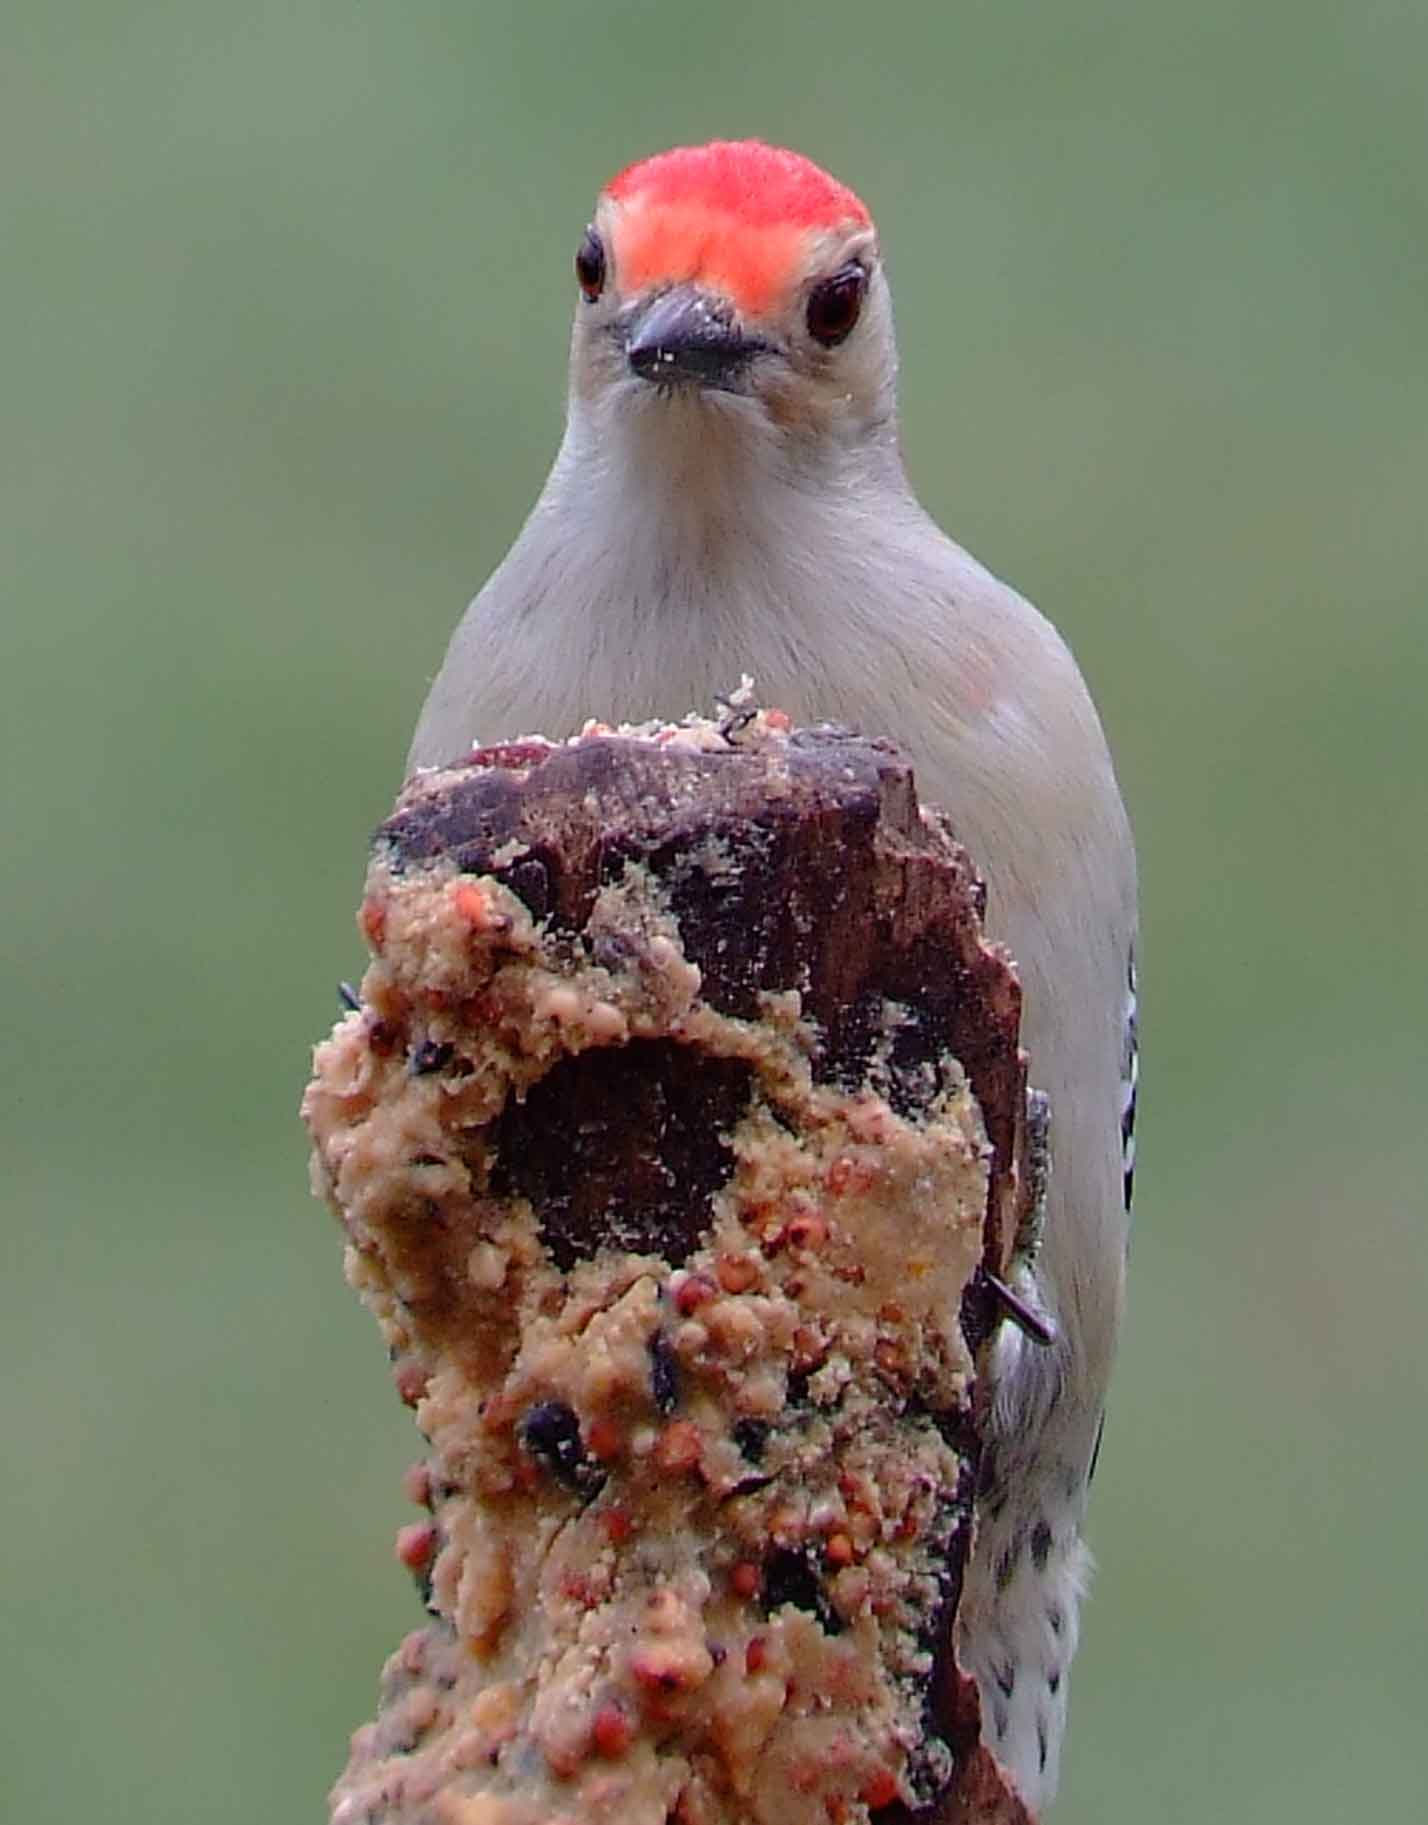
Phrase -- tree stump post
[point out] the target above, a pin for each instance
(679, 1125)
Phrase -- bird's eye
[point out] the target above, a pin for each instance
(590, 265)
(834, 304)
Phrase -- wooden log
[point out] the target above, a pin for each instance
(679, 1125)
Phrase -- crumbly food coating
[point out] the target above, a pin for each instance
(690, 1506)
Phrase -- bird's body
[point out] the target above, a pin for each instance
(748, 513)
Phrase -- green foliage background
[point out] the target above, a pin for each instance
(282, 322)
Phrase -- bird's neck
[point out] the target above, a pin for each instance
(693, 541)
(710, 478)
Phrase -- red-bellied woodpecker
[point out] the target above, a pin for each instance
(729, 497)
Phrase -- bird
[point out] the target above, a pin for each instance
(730, 498)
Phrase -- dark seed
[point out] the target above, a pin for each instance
(383, 1035)
(348, 996)
(798, 1387)
(752, 1437)
(664, 1373)
(1041, 1543)
(431, 1055)
(551, 1433)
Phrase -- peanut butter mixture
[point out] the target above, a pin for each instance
(688, 1504)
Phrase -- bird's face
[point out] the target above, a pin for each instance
(734, 279)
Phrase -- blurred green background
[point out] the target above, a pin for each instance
(283, 321)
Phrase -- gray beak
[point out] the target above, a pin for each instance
(684, 338)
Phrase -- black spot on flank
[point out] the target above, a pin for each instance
(1041, 1744)
(1053, 1681)
(1005, 1676)
(1006, 1569)
(1056, 1619)
(1041, 1544)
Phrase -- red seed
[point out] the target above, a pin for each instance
(746, 1580)
(849, 1174)
(839, 1550)
(879, 1790)
(612, 1732)
(737, 1273)
(617, 1525)
(756, 1655)
(807, 1231)
(372, 919)
(416, 1545)
(511, 755)
(603, 1439)
(809, 1349)
(693, 1292)
(680, 1446)
(471, 905)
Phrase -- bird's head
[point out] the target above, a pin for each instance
(734, 279)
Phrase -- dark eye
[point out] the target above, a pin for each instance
(590, 265)
(834, 304)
